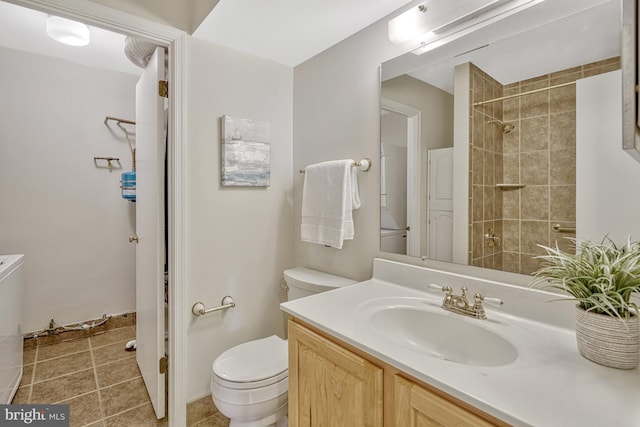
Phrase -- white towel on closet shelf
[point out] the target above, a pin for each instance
(329, 195)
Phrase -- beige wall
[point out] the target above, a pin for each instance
(436, 126)
(435, 105)
(183, 14)
(238, 240)
(336, 116)
(60, 210)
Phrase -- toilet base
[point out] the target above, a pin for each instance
(278, 419)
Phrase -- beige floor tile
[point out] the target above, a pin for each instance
(29, 343)
(123, 396)
(29, 356)
(63, 336)
(110, 353)
(200, 409)
(142, 416)
(62, 349)
(62, 365)
(115, 335)
(27, 375)
(116, 372)
(65, 387)
(66, 373)
(121, 320)
(217, 420)
(221, 420)
(84, 409)
(22, 396)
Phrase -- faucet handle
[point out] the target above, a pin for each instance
(433, 286)
(445, 289)
(490, 300)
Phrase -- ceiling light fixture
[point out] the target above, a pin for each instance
(427, 26)
(66, 31)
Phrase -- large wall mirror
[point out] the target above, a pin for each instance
(511, 137)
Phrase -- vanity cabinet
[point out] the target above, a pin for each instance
(416, 406)
(333, 384)
(330, 386)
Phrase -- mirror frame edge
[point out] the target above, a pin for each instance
(629, 57)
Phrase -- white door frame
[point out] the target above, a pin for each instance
(414, 162)
(175, 40)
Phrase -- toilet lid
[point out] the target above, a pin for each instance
(253, 361)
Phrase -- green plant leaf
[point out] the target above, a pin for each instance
(601, 277)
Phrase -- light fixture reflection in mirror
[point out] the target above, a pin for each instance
(429, 25)
(519, 136)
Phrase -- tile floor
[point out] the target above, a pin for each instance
(94, 375)
(203, 413)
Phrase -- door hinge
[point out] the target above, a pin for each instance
(163, 88)
(163, 365)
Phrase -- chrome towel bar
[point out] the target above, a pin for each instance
(364, 165)
(199, 310)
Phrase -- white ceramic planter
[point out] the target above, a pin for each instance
(607, 340)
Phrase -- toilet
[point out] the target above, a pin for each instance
(250, 381)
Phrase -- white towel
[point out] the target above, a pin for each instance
(329, 195)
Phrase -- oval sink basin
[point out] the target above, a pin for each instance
(445, 335)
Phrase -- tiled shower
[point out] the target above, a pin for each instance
(522, 177)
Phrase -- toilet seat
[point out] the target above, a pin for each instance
(253, 364)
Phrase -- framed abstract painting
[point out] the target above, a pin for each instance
(246, 152)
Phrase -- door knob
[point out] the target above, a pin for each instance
(133, 239)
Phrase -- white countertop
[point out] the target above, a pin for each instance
(549, 384)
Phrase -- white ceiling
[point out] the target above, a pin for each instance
(290, 31)
(24, 29)
(284, 31)
(582, 37)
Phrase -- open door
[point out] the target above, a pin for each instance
(150, 224)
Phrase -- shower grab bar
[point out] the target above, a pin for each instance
(198, 308)
(560, 229)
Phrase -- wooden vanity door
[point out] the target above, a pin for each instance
(330, 386)
(417, 407)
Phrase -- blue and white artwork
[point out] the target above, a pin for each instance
(246, 152)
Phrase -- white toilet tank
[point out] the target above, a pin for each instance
(302, 282)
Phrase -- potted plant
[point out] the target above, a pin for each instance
(602, 278)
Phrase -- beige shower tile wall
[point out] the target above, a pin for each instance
(486, 171)
(539, 153)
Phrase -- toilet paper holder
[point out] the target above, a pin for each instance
(199, 309)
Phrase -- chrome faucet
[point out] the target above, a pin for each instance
(460, 303)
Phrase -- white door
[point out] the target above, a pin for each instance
(441, 179)
(150, 223)
(440, 205)
(441, 235)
